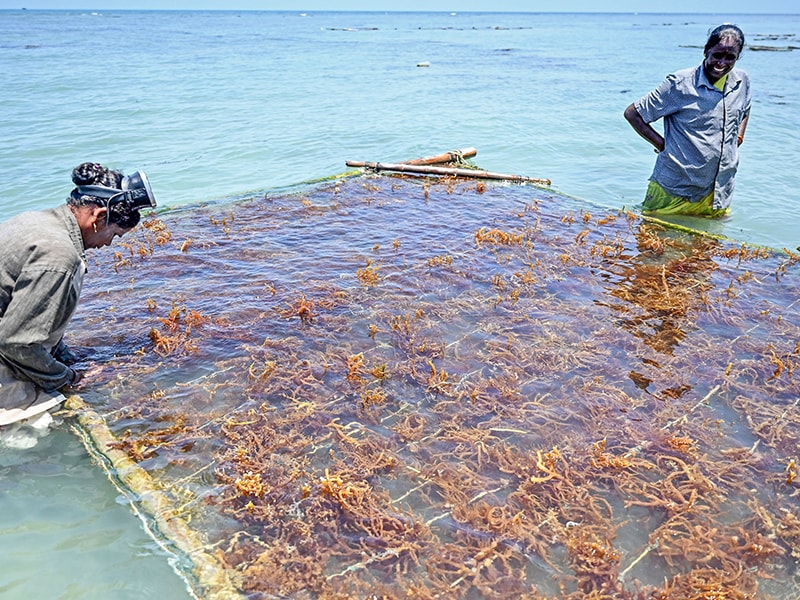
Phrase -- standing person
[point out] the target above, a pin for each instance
(42, 264)
(705, 111)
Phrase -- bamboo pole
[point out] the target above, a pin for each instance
(213, 579)
(446, 157)
(453, 172)
(699, 232)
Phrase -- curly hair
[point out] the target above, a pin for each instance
(95, 174)
(90, 173)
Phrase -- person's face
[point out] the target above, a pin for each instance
(721, 58)
(108, 233)
(102, 233)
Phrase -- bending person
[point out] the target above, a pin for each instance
(42, 264)
(704, 111)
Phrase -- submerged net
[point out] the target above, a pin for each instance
(393, 387)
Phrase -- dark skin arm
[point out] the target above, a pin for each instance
(644, 129)
(742, 128)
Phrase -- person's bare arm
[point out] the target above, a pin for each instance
(644, 129)
(742, 128)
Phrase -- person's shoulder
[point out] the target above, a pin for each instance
(37, 223)
(687, 73)
(740, 74)
(43, 237)
(25, 224)
(681, 81)
(682, 76)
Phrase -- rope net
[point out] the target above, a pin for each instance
(400, 387)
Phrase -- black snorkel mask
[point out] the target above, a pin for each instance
(135, 195)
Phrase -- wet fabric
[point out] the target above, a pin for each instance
(658, 201)
(20, 399)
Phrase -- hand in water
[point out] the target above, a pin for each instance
(86, 375)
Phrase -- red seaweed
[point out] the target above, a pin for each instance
(394, 387)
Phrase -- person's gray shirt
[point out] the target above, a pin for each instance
(41, 274)
(701, 126)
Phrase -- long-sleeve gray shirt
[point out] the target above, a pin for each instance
(41, 274)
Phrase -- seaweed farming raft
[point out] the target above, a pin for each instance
(401, 387)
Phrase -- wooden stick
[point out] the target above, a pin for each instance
(445, 157)
(452, 156)
(429, 170)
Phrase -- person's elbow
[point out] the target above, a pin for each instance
(631, 114)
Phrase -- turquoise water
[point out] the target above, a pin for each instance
(65, 532)
(218, 105)
(215, 104)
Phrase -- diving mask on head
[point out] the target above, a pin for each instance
(135, 194)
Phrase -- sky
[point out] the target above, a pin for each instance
(627, 6)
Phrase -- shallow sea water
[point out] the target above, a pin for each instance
(217, 106)
(68, 533)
